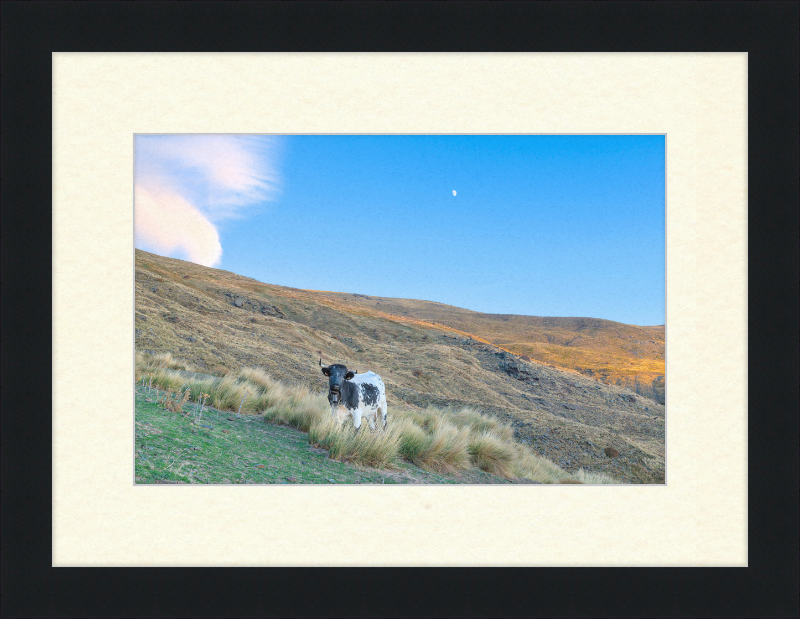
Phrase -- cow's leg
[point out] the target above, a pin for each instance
(371, 419)
(357, 419)
(383, 412)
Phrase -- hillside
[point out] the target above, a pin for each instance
(220, 321)
(625, 355)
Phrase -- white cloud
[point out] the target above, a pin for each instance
(170, 225)
(186, 184)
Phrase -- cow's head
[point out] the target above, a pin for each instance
(337, 375)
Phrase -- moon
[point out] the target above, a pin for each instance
(454, 192)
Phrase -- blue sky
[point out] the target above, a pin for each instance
(539, 225)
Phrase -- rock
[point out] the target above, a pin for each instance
(271, 310)
(154, 289)
(291, 479)
(238, 301)
(191, 338)
(611, 452)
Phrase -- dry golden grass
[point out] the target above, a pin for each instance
(161, 378)
(257, 376)
(301, 411)
(478, 422)
(445, 450)
(413, 439)
(376, 449)
(163, 360)
(531, 466)
(491, 453)
(229, 394)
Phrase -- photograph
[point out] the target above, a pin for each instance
(400, 309)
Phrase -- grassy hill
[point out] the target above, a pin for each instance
(615, 353)
(219, 321)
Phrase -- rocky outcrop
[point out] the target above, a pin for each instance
(254, 306)
(515, 367)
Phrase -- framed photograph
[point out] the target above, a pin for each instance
(689, 86)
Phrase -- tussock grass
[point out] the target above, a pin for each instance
(164, 360)
(163, 379)
(227, 394)
(377, 449)
(446, 451)
(531, 466)
(219, 370)
(436, 439)
(258, 377)
(320, 429)
(437, 446)
(478, 422)
(492, 453)
(299, 410)
(413, 439)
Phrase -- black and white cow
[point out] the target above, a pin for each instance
(355, 395)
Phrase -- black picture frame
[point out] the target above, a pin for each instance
(767, 31)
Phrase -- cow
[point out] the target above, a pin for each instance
(355, 395)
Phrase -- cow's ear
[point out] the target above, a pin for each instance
(326, 370)
(349, 375)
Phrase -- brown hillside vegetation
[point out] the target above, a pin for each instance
(219, 321)
(625, 355)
